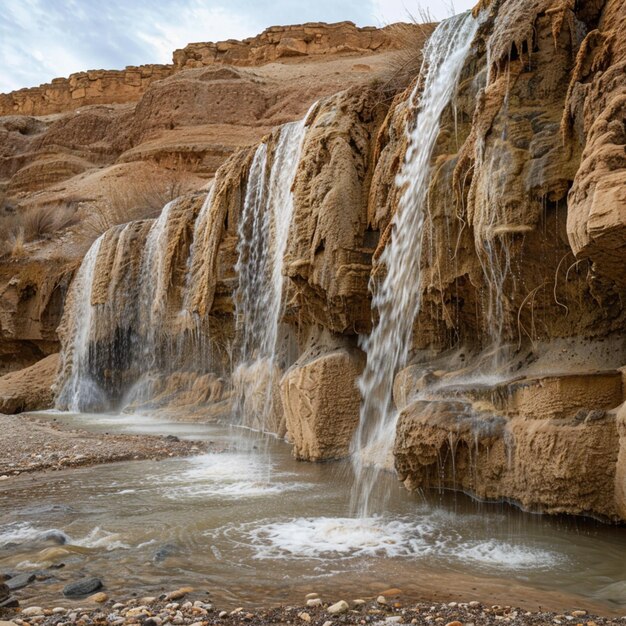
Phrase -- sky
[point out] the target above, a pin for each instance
(44, 39)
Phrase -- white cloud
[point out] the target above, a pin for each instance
(388, 11)
(42, 39)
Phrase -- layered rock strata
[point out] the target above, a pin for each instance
(514, 378)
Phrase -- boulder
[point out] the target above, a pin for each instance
(321, 402)
(29, 389)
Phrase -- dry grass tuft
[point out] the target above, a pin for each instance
(404, 66)
(34, 224)
(128, 199)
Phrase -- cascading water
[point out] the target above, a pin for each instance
(263, 232)
(397, 299)
(79, 387)
(118, 339)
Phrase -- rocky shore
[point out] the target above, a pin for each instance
(180, 608)
(31, 445)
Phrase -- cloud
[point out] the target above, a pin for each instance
(42, 39)
(389, 11)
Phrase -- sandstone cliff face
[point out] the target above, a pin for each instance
(83, 88)
(513, 382)
(280, 42)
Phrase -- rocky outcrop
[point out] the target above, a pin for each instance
(32, 300)
(82, 89)
(30, 389)
(328, 258)
(544, 462)
(283, 42)
(620, 474)
(596, 107)
(321, 399)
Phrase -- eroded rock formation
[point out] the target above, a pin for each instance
(513, 380)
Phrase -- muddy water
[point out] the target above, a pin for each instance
(253, 527)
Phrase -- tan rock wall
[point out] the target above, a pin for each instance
(321, 403)
(83, 88)
(546, 465)
(280, 42)
(30, 389)
(620, 476)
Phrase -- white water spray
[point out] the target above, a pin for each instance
(80, 386)
(263, 232)
(397, 299)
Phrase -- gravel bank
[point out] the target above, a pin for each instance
(30, 445)
(182, 607)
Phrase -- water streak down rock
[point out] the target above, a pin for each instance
(397, 299)
(262, 241)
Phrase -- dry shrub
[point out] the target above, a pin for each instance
(33, 224)
(131, 198)
(404, 65)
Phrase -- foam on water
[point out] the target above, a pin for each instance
(100, 538)
(20, 533)
(24, 532)
(229, 475)
(326, 537)
(427, 538)
(508, 556)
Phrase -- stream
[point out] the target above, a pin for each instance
(250, 526)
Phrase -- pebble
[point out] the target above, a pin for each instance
(394, 591)
(395, 619)
(314, 602)
(358, 602)
(9, 623)
(474, 604)
(99, 597)
(31, 611)
(328, 623)
(223, 613)
(137, 611)
(82, 587)
(454, 624)
(305, 617)
(338, 607)
(311, 596)
(381, 600)
(579, 613)
(179, 593)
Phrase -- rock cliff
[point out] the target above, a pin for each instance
(514, 377)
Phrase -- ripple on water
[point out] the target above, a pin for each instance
(228, 475)
(342, 538)
(21, 533)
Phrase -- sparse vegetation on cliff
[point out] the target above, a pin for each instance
(33, 224)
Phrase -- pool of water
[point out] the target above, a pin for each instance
(253, 527)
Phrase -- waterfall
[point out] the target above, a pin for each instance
(262, 240)
(117, 336)
(397, 299)
(80, 389)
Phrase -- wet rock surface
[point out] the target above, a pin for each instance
(82, 587)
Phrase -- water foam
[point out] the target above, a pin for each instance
(229, 475)
(428, 538)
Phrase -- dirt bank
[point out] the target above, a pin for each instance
(31, 445)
